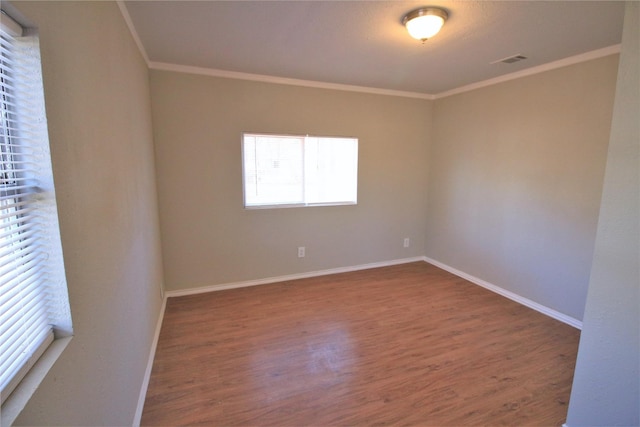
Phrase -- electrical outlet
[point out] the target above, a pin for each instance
(301, 251)
(406, 242)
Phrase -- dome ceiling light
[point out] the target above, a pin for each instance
(425, 22)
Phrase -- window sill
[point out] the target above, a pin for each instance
(298, 205)
(19, 398)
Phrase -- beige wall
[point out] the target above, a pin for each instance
(97, 100)
(208, 238)
(606, 387)
(515, 180)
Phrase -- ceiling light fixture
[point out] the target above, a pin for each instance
(425, 22)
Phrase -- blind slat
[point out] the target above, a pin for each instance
(32, 241)
(33, 304)
(20, 347)
(9, 196)
(23, 247)
(23, 270)
(24, 261)
(33, 282)
(16, 229)
(35, 308)
(33, 319)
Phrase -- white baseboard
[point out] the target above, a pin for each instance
(268, 280)
(500, 291)
(147, 373)
(508, 294)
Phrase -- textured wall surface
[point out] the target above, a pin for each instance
(208, 237)
(515, 181)
(606, 387)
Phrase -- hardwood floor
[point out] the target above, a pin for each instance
(402, 345)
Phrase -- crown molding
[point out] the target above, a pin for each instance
(283, 80)
(583, 57)
(587, 56)
(132, 30)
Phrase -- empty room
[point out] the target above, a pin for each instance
(293, 213)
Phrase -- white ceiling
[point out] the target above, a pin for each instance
(363, 43)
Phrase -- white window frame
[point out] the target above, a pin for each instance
(306, 197)
(30, 247)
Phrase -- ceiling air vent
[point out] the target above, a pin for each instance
(510, 59)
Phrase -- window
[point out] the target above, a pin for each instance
(290, 171)
(33, 296)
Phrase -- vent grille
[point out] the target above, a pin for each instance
(510, 59)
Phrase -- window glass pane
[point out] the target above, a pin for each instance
(331, 170)
(273, 168)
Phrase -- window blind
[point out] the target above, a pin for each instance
(27, 309)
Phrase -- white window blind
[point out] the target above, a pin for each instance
(289, 170)
(33, 297)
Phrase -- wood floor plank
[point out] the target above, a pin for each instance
(407, 345)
